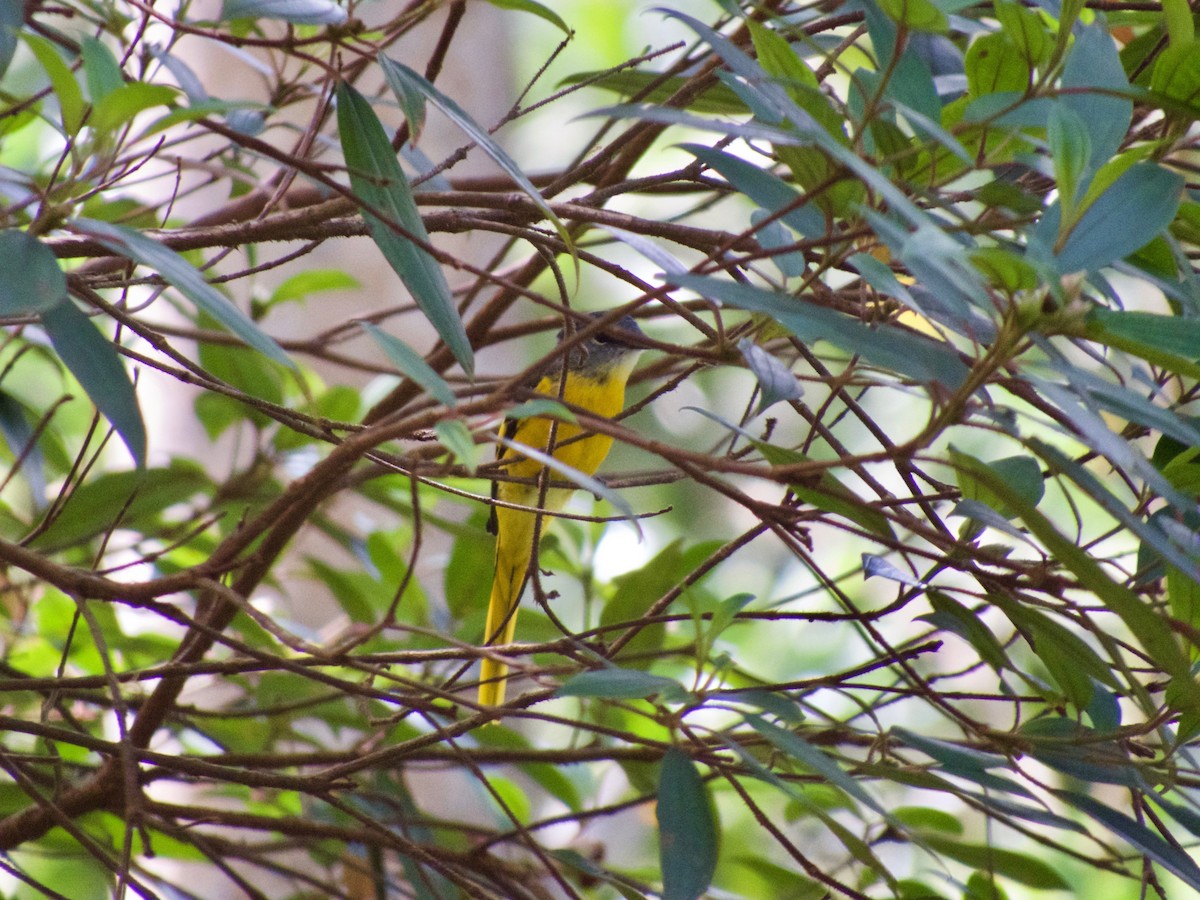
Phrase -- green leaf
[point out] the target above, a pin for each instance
(1025, 29)
(1172, 342)
(182, 275)
(924, 818)
(120, 106)
(916, 15)
(1127, 216)
(456, 437)
(916, 356)
(137, 497)
(377, 180)
(1093, 81)
(11, 21)
(718, 99)
(313, 281)
(1020, 867)
(817, 760)
(30, 278)
(1022, 473)
(994, 65)
(101, 68)
(779, 59)
(829, 493)
(1138, 836)
(951, 615)
(1070, 151)
(628, 684)
(298, 12)
(775, 380)
(62, 80)
(403, 80)
(533, 8)
(411, 365)
(768, 191)
(687, 829)
(97, 367)
(1177, 72)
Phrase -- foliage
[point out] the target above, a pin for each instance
(912, 457)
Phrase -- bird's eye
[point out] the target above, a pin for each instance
(603, 338)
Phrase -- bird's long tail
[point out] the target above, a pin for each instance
(514, 547)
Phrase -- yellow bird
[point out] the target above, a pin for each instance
(596, 373)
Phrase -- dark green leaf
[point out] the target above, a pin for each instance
(97, 367)
(616, 683)
(178, 272)
(11, 21)
(951, 615)
(534, 8)
(718, 99)
(890, 348)
(30, 278)
(687, 829)
(101, 68)
(1128, 215)
(768, 191)
(1020, 867)
(775, 380)
(298, 12)
(1141, 838)
(1091, 79)
(404, 81)
(1021, 473)
(410, 364)
(377, 180)
(14, 425)
(135, 498)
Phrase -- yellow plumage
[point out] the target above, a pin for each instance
(596, 376)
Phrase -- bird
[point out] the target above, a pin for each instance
(596, 373)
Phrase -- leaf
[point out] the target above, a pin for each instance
(829, 493)
(1022, 473)
(816, 760)
(1127, 216)
(1172, 342)
(1093, 80)
(298, 12)
(94, 362)
(11, 22)
(534, 8)
(768, 191)
(119, 107)
(687, 829)
(31, 280)
(718, 99)
(403, 80)
(14, 425)
(1137, 836)
(101, 68)
(1020, 867)
(647, 248)
(411, 365)
(950, 615)
(62, 79)
(185, 277)
(877, 567)
(456, 437)
(313, 281)
(139, 497)
(377, 180)
(894, 350)
(628, 684)
(775, 380)
(994, 65)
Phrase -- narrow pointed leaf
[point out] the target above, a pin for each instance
(378, 181)
(687, 829)
(96, 366)
(183, 276)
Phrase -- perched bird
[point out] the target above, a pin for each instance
(596, 372)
